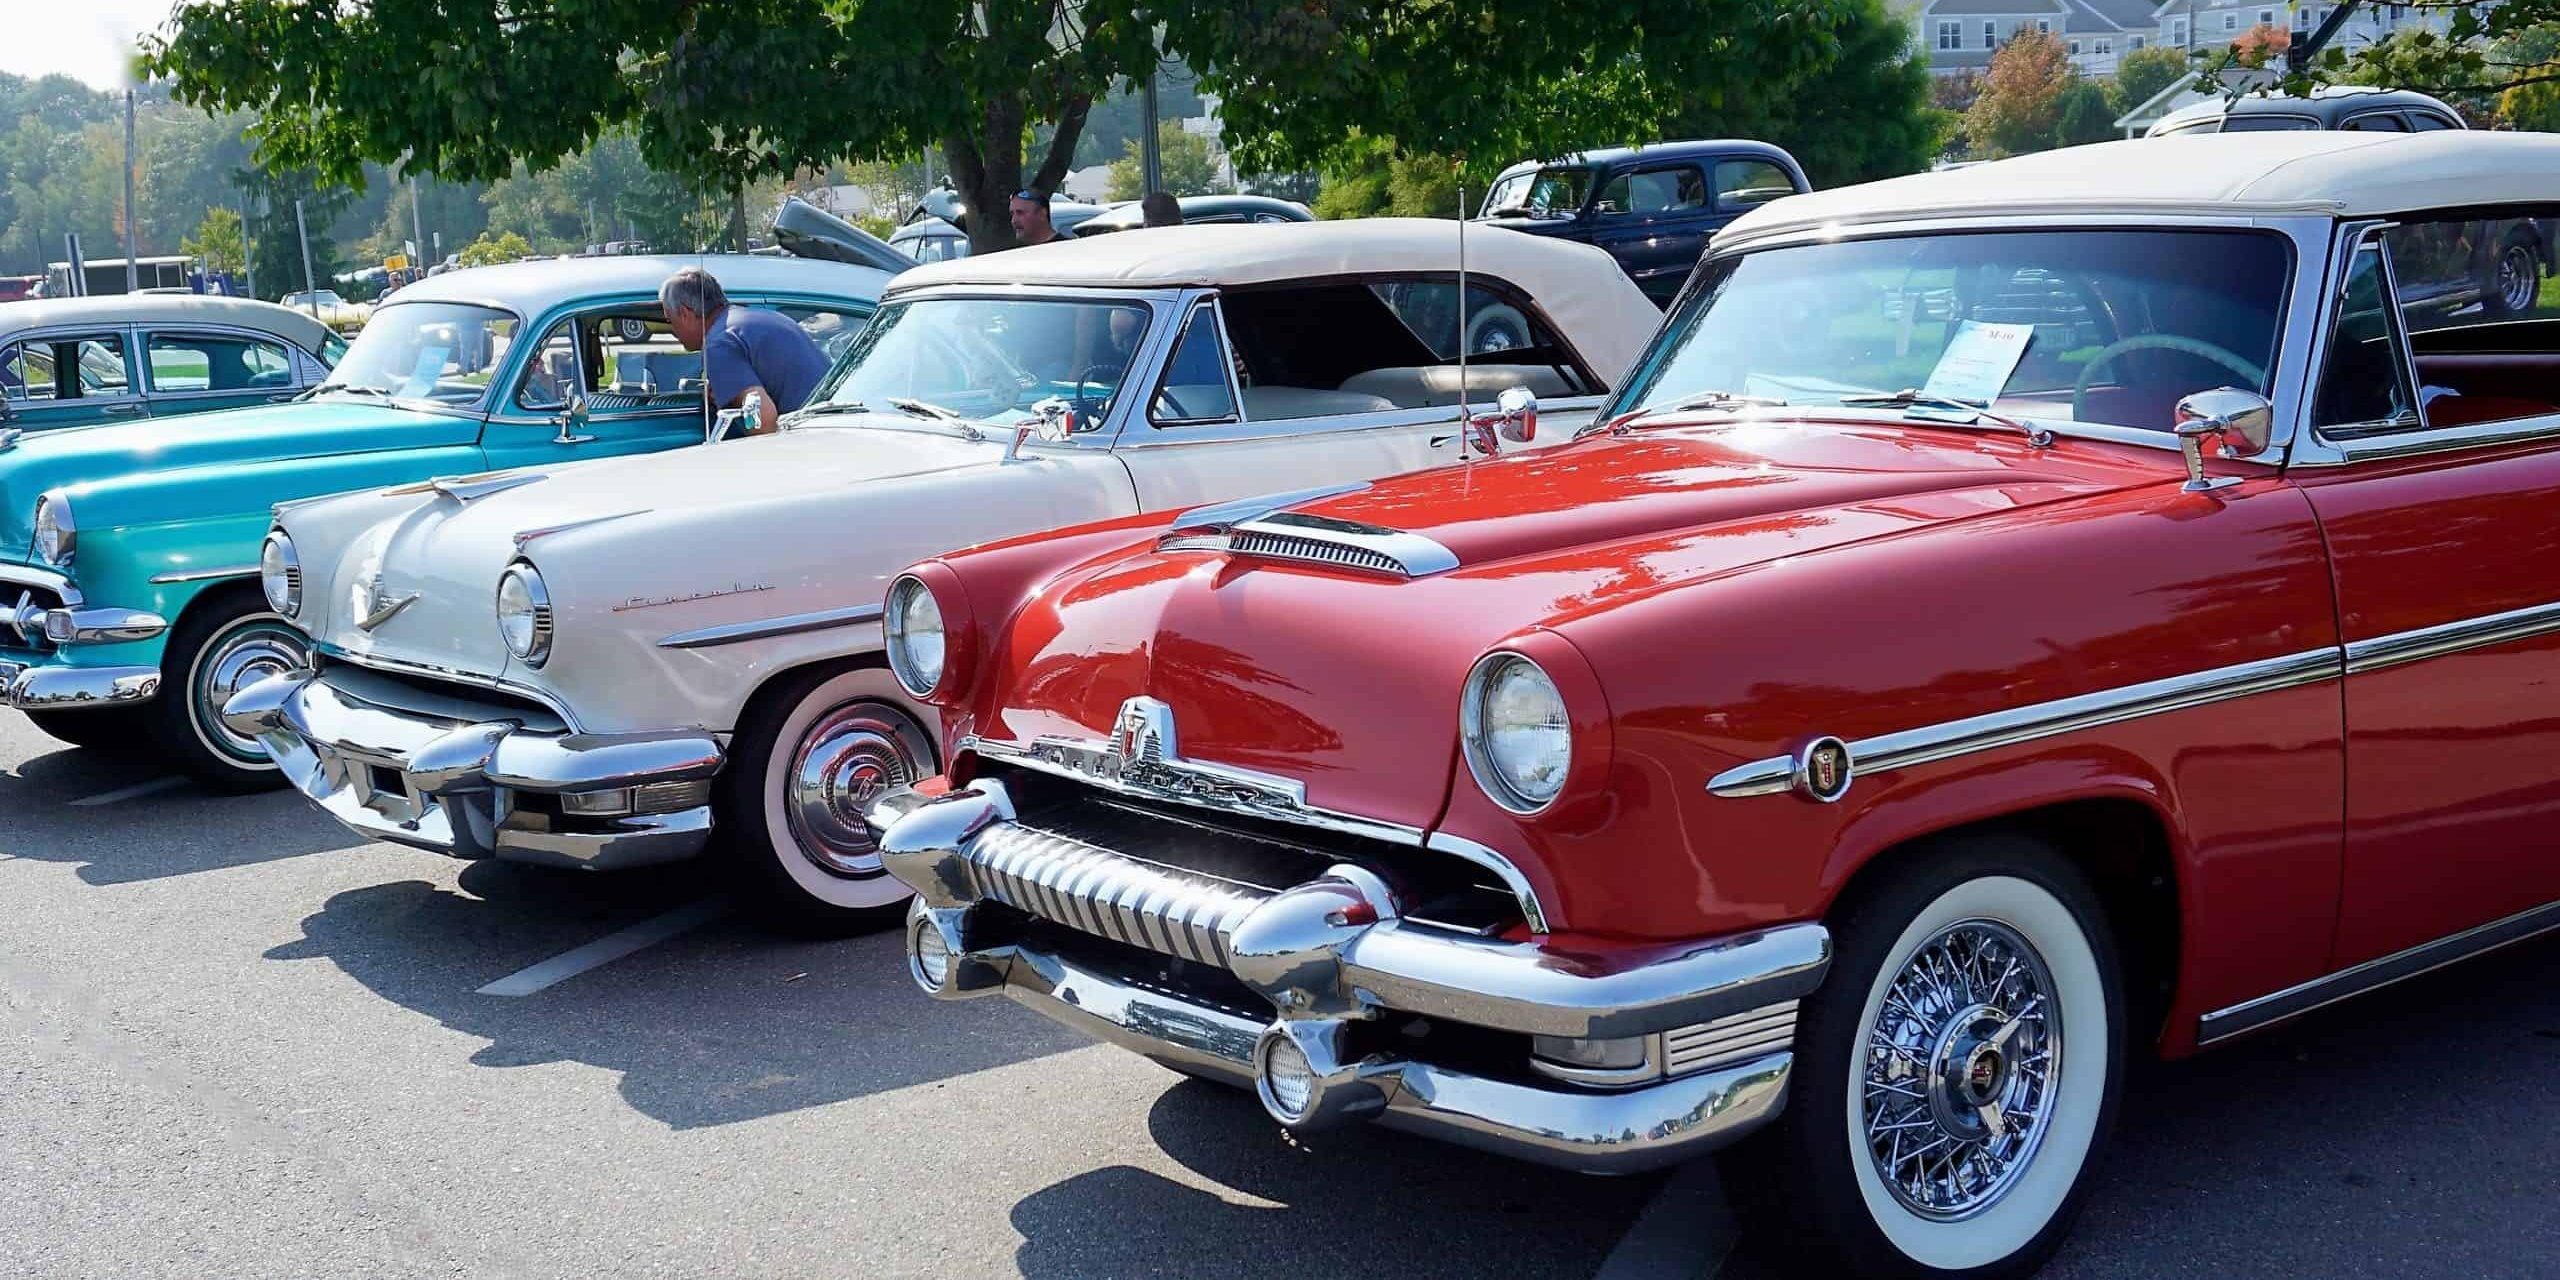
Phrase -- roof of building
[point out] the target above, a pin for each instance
(2339, 173)
(1581, 289)
(1994, 8)
(166, 308)
(535, 286)
(2104, 16)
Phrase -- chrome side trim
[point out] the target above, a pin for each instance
(1932, 743)
(524, 536)
(204, 575)
(2328, 989)
(766, 628)
(2451, 637)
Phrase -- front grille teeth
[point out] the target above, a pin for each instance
(1740, 1037)
(1096, 891)
(1280, 546)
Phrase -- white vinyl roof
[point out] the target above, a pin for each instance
(1601, 312)
(530, 287)
(2338, 173)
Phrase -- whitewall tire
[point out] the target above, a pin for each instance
(815, 750)
(228, 641)
(1957, 1073)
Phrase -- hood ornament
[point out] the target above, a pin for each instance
(385, 609)
(1143, 758)
(9, 437)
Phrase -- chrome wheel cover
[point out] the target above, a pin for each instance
(846, 759)
(259, 646)
(1961, 1069)
(2519, 278)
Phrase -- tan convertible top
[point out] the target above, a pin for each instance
(1580, 288)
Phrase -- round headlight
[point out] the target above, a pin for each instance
(56, 535)
(524, 613)
(280, 572)
(914, 627)
(1517, 740)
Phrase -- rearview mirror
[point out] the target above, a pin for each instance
(572, 422)
(2240, 421)
(1514, 418)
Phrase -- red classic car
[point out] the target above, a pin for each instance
(2013, 619)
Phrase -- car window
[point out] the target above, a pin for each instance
(993, 359)
(2364, 385)
(1315, 350)
(1194, 386)
(2377, 122)
(333, 348)
(2482, 318)
(2429, 122)
(1541, 192)
(622, 360)
(552, 374)
(32, 370)
(2269, 124)
(439, 352)
(1741, 184)
(182, 362)
(1654, 192)
(832, 328)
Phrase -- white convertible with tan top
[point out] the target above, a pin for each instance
(595, 665)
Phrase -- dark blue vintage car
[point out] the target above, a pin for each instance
(1651, 207)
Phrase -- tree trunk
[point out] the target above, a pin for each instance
(987, 169)
(738, 219)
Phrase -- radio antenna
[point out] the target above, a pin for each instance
(1466, 408)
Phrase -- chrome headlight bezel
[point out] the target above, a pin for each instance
(56, 535)
(902, 632)
(530, 642)
(280, 574)
(1479, 719)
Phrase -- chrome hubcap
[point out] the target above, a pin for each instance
(234, 661)
(1960, 1070)
(846, 760)
(2518, 279)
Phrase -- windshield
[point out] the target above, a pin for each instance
(1556, 192)
(991, 359)
(436, 352)
(2108, 327)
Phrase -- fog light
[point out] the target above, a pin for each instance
(596, 804)
(1288, 1079)
(58, 626)
(928, 955)
(1621, 1061)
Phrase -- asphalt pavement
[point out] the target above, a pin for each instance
(236, 1040)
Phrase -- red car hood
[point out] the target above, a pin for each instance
(1349, 681)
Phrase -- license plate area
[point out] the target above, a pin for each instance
(381, 787)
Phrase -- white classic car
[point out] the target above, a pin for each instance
(593, 665)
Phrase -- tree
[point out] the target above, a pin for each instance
(1870, 116)
(2489, 48)
(1188, 166)
(217, 241)
(2261, 46)
(2143, 73)
(494, 247)
(2086, 114)
(2020, 109)
(723, 92)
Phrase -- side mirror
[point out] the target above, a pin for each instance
(1514, 418)
(730, 424)
(1056, 425)
(572, 422)
(2240, 421)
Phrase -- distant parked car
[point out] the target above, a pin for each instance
(328, 308)
(938, 230)
(76, 362)
(1199, 210)
(14, 288)
(2497, 264)
(1651, 207)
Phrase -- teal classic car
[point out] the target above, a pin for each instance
(79, 362)
(130, 606)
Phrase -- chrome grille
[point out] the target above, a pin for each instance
(22, 611)
(1283, 546)
(1726, 1041)
(1110, 895)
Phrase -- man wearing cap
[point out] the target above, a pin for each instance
(744, 350)
(1031, 223)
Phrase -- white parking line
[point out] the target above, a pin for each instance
(609, 948)
(1685, 1231)
(136, 791)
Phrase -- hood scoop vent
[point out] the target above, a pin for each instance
(1312, 539)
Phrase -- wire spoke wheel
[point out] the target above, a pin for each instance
(1961, 1069)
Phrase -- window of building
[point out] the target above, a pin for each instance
(1950, 35)
(1990, 35)
(2106, 46)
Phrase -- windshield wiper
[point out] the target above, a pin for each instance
(925, 409)
(829, 407)
(351, 388)
(1686, 404)
(1915, 398)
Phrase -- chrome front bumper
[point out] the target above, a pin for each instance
(1005, 908)
(477, 787)
(24, 687)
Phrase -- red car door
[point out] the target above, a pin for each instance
(2440, 513)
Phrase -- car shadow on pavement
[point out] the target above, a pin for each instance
(174, 830)
(2406, 1134)
(725, 1023)
(1359, 1201)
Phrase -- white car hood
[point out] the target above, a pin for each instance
(587, 525)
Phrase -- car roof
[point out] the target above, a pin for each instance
(2335, 173)
(1679, 149)
(165, 308)
(2328, 103)
(530, 287)
(1131, 215)
(1581, 289)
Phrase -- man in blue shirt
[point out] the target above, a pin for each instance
(743, 349)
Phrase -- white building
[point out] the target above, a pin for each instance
(1961, 35)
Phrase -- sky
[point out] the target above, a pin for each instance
(88, 40)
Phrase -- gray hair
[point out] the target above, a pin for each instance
(692, 289)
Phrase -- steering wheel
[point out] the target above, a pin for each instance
(1110, 377)
(2256, 374)
(1165, 394)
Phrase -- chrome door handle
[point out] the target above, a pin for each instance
(120, 409)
